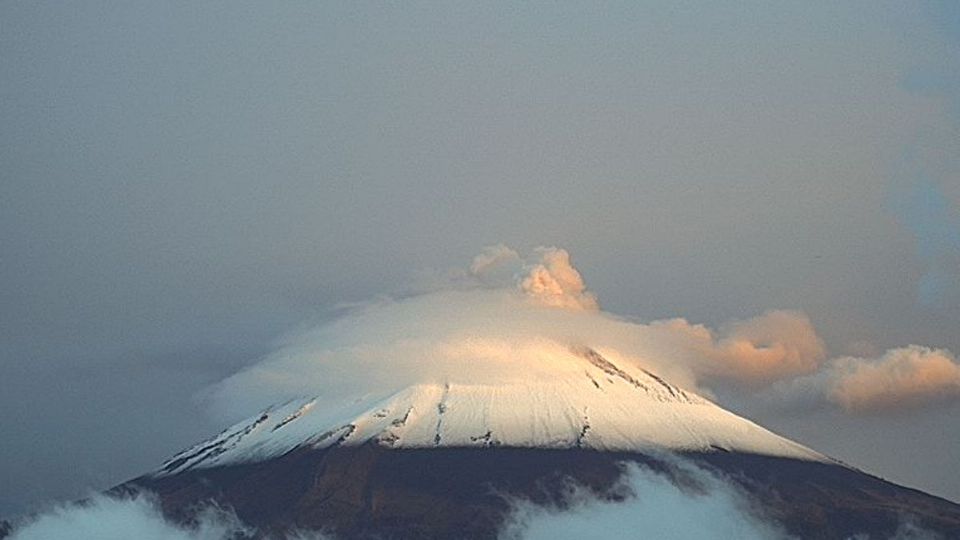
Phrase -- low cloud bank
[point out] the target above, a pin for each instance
(108, 518)
(654, 508)
(702, 505)
(138, 518)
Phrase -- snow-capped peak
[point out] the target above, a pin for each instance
(602, 406)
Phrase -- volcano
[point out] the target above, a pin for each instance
(441, 460)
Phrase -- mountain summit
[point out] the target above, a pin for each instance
(439, 460)
(593, 404)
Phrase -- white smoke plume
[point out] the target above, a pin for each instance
(546, 276)
(654, 508)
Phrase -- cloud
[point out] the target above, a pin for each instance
(510, 317)
(553, 281)
(507, 318)
(474, 336)
(902, 378)
(776, 345)
(546, 276)
(655, 505)
(496, 265)
(108, 518)
(905, 376)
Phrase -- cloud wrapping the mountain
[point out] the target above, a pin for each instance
(138, 518)
(509, 317)
(654, 508)
(704, 506)
(476, 336)
(108, 518)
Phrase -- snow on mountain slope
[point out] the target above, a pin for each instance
(598, 405)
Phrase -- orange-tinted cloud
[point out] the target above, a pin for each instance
(546, 276)
(905, 377)
(776, 345)
(773, 346)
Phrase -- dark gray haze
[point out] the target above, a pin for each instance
(183, 183)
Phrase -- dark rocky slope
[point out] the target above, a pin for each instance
(370, 491)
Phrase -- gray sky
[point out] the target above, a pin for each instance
(181, 183)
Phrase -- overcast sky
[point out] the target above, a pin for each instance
(182, 183)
